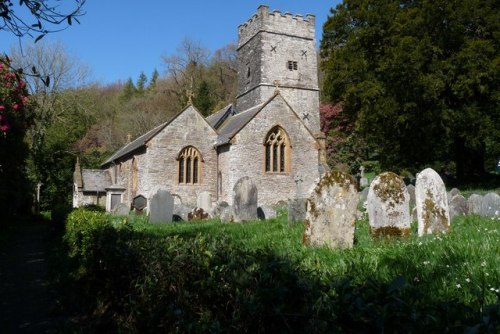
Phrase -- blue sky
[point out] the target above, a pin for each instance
(118, 39)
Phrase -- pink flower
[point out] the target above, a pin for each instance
(2, 107)
(16, 106)
(25, 99)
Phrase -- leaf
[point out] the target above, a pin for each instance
(39, 37)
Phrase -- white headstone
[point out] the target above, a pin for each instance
(475, 203)
(204, 201)
(432, 204)
(491, 205)
(331, 211)
(388, 206)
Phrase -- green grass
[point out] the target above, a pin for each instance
(463, 265)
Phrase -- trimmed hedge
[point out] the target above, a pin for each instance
(133, 281)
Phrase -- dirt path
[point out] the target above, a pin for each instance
(26, 301)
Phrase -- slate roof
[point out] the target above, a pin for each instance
(217, 118)
(95, 180)
(235, 123)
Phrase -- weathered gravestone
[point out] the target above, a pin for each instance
(218, 208)
(458, 206)
(491, 205)
(411, 191)
(244, 200)
(475, 203)
(121, 209)
(204, 201)
(388, 206)
(296, 210)
(181, 211)
(161, 207)
(265, 212)
(453, 192)
(432, 204)
(226, 215)
(331, 211)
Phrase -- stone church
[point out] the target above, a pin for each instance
(271, 133)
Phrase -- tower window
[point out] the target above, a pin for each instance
(189, 167)
(277, 151)
(292, 65)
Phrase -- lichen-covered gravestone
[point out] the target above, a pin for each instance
(432, 204)
(388, 206)
(161, 207)
(331, 211)
(244, 200)
(475, 203)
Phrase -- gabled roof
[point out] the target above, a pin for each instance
(141, 141)
(235, 123)
(217, 118)
(95, 180)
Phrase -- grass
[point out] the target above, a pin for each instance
(462, 265)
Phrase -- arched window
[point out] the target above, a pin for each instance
(189, 166)
(277, 151)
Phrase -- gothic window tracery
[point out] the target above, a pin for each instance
(189, 166)
(277, 151)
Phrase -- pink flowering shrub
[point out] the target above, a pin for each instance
(14, 99)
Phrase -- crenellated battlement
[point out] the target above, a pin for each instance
(276, 22)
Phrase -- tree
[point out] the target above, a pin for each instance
(37, 17)
(419, 80)
(141, 83)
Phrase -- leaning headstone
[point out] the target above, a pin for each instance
(265, 212)
(296, 210)
(204, 201)
(458, 206)
(331, 211)
(491, 205)
(121, 209)
(244, 200)
(161, 207)
(181, 211)
(388, 206)
(432, 203)
(475, 203)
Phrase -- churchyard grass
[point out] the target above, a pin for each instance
(258, 276)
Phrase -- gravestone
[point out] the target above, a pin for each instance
(432, 204)
(363, 181)
(265, 212)
(452, 193)
(161, 207)
(226, 215)
(388, 206)
(296, 210)
(363, 195)
(491, 205)
(121, 209)
(218, 208)
(204, 201)
(181, 211)
(475, 203)
(244, 200)
(411, 191)
(139, 202)
(458, 206)
(331, 211)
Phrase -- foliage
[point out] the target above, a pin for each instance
(418, 80)
(15, 118)
(257, 277)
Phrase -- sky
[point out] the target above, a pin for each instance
(119, 39)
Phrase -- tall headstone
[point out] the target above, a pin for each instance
(411, 191)
(161, 207)
(204, 201)
(363, 181)
(244, 200)
(388, 206)
(331, 211)
(296, 210)
(432, 204)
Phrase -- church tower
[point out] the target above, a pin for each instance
(278, 51)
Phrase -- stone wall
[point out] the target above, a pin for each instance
(247, 155)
